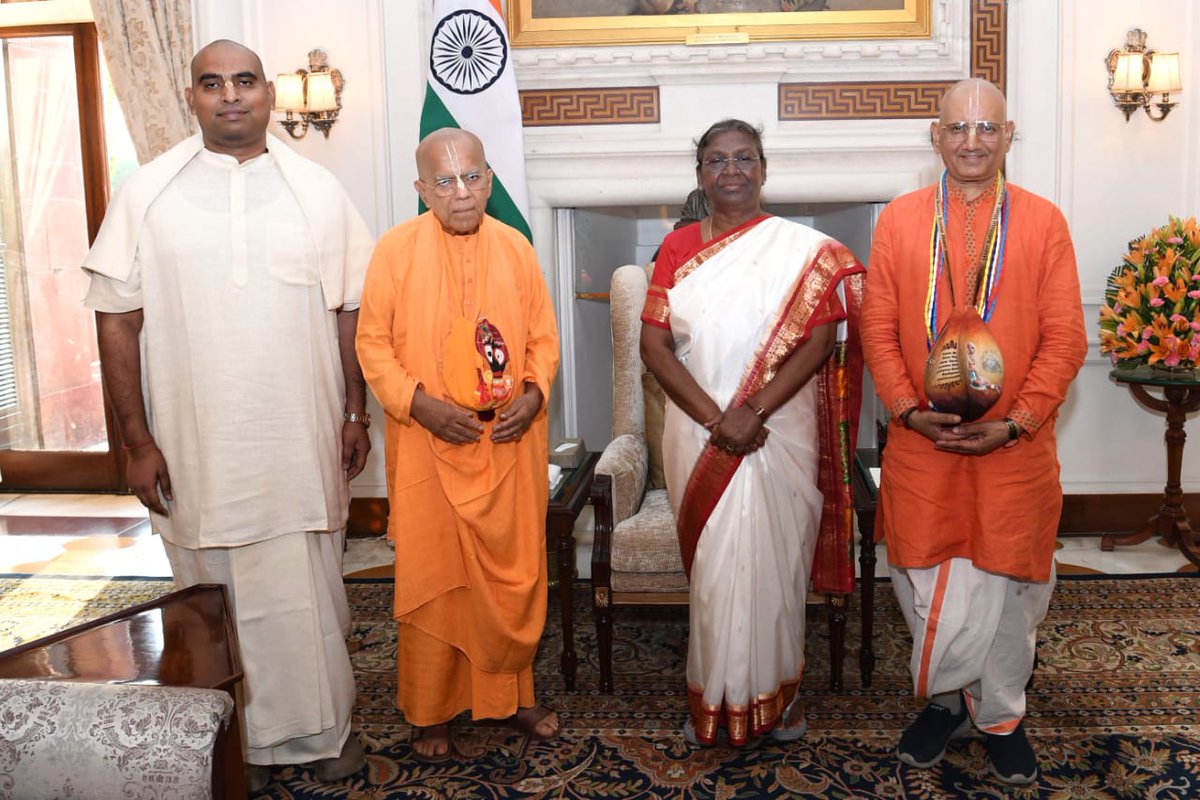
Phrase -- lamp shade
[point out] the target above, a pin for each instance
(1127, 76)
(321, 96)
(1164, 73)
(289, 92)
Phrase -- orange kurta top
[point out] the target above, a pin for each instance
(1000, 510)
(468, 521)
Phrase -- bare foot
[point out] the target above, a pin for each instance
(538, 722)
(432, 742)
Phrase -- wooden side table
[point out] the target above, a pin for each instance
(866, 499)
(564, 508)
(184, 638)
(1181, 396)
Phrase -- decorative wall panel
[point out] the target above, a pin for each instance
(908, 100)
(608, 106)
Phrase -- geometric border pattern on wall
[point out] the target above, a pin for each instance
(909, 99)
(605, 106)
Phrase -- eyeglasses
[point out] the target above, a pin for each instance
(958, 131)
(446, 185)
(716, 164)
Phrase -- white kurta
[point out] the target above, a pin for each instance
(241, 369)
(239, 269)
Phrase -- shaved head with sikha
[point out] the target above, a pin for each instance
(972, 160)
(453, 179)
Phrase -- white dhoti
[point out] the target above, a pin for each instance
(292, 617)
(975, 631)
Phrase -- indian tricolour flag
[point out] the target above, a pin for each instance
(472, 86)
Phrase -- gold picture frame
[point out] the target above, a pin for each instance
(565, 24)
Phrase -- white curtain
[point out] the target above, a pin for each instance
(148, 47)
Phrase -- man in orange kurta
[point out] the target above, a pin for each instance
(970, 509)
(457, 339)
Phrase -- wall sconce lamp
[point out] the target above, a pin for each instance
(315, 94)
(1141, 78)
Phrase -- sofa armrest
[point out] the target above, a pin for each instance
(627, 460)
(67, 739)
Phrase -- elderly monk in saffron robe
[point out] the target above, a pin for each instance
(458, 341)
(970, 509)
(226, 279)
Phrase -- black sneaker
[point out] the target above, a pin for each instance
(1012, 757)
(924, 742)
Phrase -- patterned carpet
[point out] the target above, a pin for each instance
(1114, 711)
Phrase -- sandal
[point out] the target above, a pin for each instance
(435, 735)
(783, 732)
(527, 721)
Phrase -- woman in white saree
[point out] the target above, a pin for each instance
(741, 317)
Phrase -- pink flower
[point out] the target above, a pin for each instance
(1161, 280)
(1146, 333)
(1121, 331)
(1171, 360)
(1157, 302)
(1143, 348)
(1175, 240)
(1177, 318)
(1194, 294)
(1194, 351)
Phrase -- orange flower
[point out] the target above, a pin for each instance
(1128, 279)
(1176, 291)
(1163, 267)
(1192, 231)
(1131, 298)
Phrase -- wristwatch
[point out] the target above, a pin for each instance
(354, 416)
(1014, 431)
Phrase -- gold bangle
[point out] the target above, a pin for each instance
(758, 410)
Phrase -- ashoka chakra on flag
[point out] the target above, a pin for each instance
(468, 52)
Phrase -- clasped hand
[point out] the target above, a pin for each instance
(948, 432)
(457, 425)
(737, 431)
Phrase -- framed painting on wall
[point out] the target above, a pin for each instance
(568, 23)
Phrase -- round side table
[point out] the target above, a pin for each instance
(1180, 396)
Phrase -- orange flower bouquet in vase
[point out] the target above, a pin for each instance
(1151, 311)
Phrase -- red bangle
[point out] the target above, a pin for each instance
(137, 446)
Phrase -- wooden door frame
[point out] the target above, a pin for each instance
(66, 470)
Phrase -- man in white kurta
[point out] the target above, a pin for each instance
(244, 266)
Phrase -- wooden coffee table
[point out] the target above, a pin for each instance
(184, 638)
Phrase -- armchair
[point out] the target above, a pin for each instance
(635, 553)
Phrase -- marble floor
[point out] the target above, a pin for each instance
(109, 535)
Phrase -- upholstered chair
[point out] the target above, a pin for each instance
(635, 554)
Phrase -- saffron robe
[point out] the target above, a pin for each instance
(999, 510)
(749, 527)
(468, 521)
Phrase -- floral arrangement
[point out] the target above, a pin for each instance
(1151, 311)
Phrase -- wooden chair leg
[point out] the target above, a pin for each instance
(602, 611)
(866, 561)
(836, 605)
